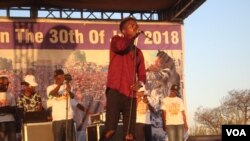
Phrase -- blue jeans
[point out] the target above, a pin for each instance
(175, 132)
(59, 128)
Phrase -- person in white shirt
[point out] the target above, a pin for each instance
(143, 130)
(62, 113)
(7, 111)
(173, 115)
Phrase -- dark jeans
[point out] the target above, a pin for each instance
(59, 130)
(143, 132)
(8, 129)
(118, 103)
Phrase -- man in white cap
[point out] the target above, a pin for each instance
(29, 99)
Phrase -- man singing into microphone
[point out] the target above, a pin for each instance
(125, 75)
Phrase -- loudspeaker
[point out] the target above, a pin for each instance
(93, 132)
(38, 131)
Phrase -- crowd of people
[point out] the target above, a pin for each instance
(121, 87)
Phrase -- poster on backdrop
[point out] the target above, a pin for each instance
(81, 48)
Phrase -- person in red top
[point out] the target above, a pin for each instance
(125, 74)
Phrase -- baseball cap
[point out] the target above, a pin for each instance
(30, 79)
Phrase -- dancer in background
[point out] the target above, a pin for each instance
(173, 115)
(79, 114)
(29, 99)
(7, 111)
(145, 103)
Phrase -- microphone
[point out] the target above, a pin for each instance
(142, 32)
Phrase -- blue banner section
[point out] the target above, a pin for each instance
(23, 34)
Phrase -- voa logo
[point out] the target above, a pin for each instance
(236, 132)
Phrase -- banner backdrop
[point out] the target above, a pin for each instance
(81, 48)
